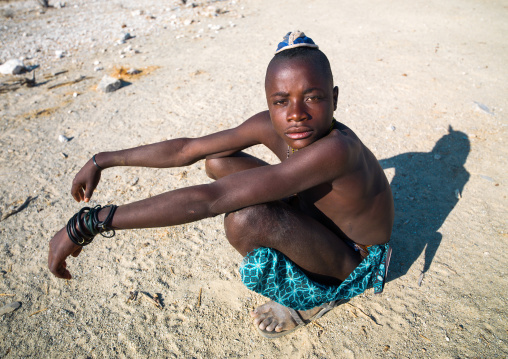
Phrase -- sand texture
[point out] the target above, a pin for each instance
(423, 83)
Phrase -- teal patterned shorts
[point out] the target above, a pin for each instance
(270, 273)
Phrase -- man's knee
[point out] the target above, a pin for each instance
(243, 228)
(212, 167)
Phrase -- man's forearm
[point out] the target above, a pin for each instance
(168, 209)
(164, 154)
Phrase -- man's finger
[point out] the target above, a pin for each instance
(88, 192)
(76, 192)
(77, 252)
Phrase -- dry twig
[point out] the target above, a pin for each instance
(365, 315)
(39, 311)
(151, 300)
(199, 297)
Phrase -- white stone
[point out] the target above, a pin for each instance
(133, 71)
(109, 84)
(12, 67)
(59, 54)
(63, 139)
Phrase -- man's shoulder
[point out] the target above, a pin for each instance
(262, 117)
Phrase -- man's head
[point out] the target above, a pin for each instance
(300, 94)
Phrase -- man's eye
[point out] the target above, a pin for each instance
(279, 102)
(313, 98)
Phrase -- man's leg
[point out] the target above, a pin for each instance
(309, 244)
(222, 166)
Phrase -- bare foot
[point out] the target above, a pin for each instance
(276, 317)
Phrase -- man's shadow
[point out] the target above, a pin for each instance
(426, 187)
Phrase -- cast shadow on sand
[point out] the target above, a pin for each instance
(426, 187)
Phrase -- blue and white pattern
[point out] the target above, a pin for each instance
(270, 273)
(295, 39)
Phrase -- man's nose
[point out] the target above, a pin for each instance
(297, 112)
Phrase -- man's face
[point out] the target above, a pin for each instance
(301, 100)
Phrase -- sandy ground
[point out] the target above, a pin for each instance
(423, 83)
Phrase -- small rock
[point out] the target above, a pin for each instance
(10, 308)
(437, 156)
(109, 84)
(490, 179)
(137, 12)
(64, 155)
(12, 67)
(214, 27)
(391, 128)
(482, 107)
(64, 139)
(59, 54)
(133, 71)
(126, 36)
(96, 62)
(135, 181)
(98, 68)
(75, 94)
(188, 22)
(458, 195)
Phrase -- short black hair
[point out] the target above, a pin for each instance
(307, 53)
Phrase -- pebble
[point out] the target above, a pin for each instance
(98, 68)
(126, 36)
(214, 27)
(109, 84)
(458, 195)
(11, 307)
(75, 94)
(64, 139)
(391, 128)
(12, 67)
(482, 107)
(59, 54)
(437, 156)
(133, 71)
(490, 179)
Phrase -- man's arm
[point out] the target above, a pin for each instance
(320, 162)
(171, 153)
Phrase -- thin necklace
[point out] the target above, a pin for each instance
(292, 150)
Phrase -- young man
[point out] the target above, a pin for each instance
(313, 229)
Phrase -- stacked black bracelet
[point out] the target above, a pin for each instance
(85, 225)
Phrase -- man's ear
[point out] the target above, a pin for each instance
(335, 97)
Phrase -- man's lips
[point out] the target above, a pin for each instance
(297, 133)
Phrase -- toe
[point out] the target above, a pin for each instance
(265, 323)
(271, 327)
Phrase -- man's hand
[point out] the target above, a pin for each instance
(85, 182)
(60, 247)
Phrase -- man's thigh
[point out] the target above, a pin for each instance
(301, 238)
